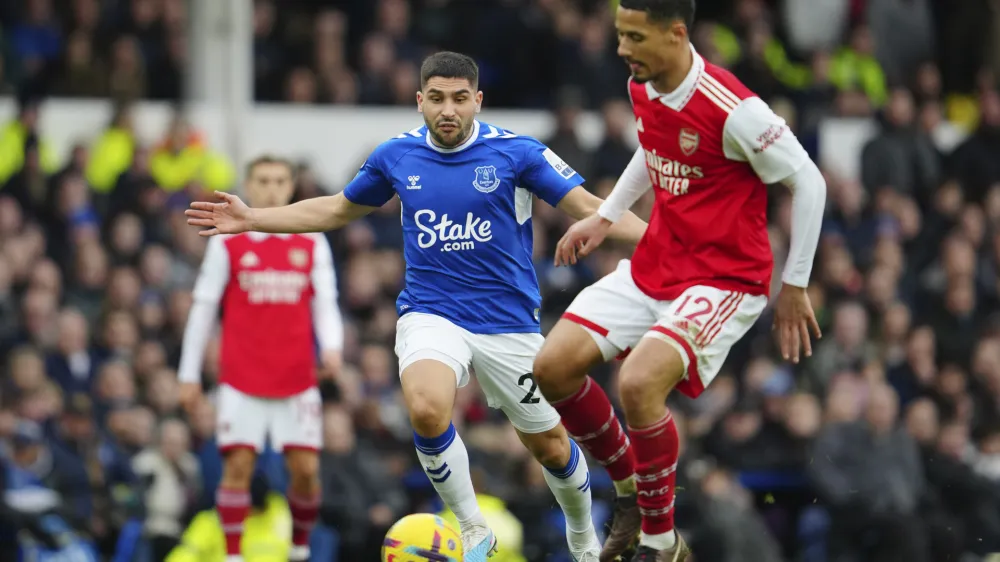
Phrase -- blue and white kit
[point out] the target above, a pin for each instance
(471, 298)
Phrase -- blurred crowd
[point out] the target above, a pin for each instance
(94, 48)
(885, 445)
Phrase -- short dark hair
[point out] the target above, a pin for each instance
(448, 64)
(663, 10)
(265, 159)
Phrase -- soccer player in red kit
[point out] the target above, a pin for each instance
(276, 292)
(699, 278)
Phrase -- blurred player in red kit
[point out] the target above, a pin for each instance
(278, 296)
(699, 278)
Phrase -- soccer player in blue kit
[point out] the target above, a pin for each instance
(471, 300)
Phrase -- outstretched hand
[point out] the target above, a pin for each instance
(581, 239)
(793, 320)
(229, 216)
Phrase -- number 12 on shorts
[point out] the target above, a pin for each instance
(707, 316)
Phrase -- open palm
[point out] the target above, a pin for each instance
(229, 216)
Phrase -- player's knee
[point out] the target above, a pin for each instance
(545, 372)
(303, 466)
(557, 375)
(238, 467)
(646, 379)
(635, 387)
(562, 364)
(429, 416)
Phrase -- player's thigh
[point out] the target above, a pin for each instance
(434, 361)
(242, 420)
(702, 325)
(614, 312)
(297, 422)
(503, 364)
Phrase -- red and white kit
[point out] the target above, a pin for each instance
(700, 277)
(276, 292)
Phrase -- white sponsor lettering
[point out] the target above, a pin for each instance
(453, 235)
(273, 287)
(671, 175)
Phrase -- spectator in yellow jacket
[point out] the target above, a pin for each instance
(267, 532)
(854, 67)
(14, 137)
(112, 152)
(184, 158)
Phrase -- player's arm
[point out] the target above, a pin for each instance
(755, 134)
(613, 214)
(552, 180)
(318, 214)
(208, 290)
(368, 191)
(630, 187)
(808, 203)
(580, 204)
(327, 322)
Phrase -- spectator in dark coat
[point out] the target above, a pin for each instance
(871, 475)
(360, 498)
(901, 157)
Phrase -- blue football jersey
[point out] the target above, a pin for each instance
(467, 222)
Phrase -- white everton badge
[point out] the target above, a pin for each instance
(486, 179)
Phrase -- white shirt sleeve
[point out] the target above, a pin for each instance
(208, 290)
(327, 322)
(632, 185)
(808, 204)
(214, 273)
(755, 134)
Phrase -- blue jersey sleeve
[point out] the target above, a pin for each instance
(371, 187)
(545, 174)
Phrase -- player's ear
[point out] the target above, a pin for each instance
(679, 33)
(420, 102)
(479, 101)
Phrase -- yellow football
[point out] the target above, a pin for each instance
(422, 537)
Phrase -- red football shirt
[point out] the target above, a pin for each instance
(711, 148)
(273, 290)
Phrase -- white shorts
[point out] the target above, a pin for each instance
(246, 421)
(702, 324)
(502, 365)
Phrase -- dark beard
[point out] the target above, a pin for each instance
(463, 135)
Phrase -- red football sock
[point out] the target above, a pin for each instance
(233, 507)
(305, 511)
(656, 450)
(589, 417)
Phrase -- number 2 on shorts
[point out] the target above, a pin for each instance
(530, 397)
